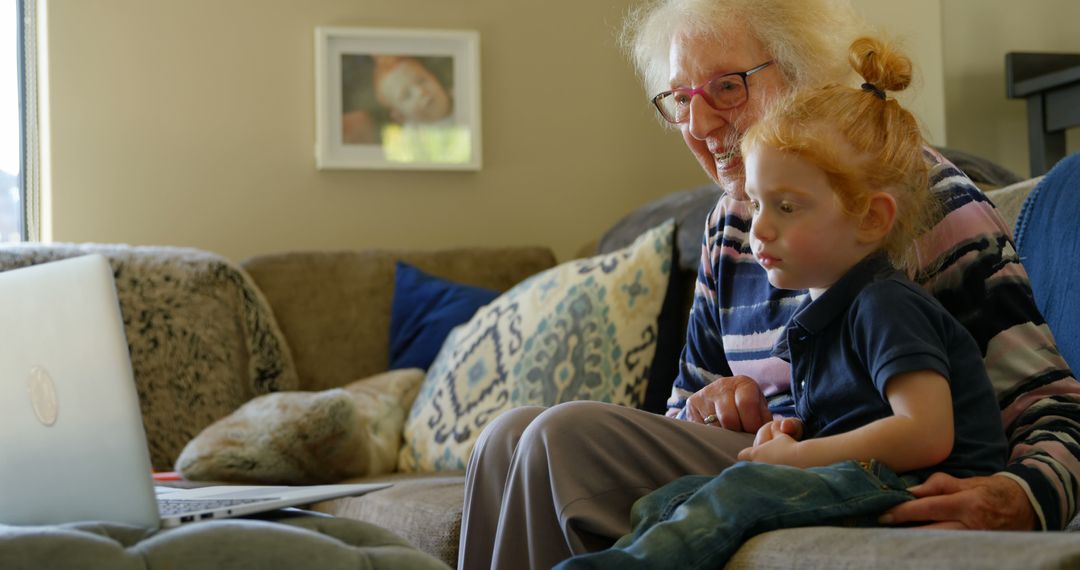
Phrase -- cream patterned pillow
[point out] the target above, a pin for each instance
(585, 330)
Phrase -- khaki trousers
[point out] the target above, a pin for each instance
(546, 483)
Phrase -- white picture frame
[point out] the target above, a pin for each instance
(397, 99)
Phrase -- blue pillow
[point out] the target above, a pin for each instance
(425, 309)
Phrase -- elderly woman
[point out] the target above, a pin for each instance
(543, 484)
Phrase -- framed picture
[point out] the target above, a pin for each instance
(397, 99)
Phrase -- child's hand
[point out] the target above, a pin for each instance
(767, 432)
(780, 448)
(775, 442)
(789, 426)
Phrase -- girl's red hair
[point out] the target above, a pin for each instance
(863, 140)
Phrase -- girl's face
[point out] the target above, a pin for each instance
(800, 233)
(712, 135)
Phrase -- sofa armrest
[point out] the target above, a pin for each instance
(202, 338)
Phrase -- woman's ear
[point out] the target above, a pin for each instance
(878, 219)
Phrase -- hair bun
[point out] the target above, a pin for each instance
(879, 64)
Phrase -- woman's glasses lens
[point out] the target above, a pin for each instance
(724, 92)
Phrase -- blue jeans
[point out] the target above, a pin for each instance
(699, 521)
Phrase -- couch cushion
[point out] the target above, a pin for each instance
(585, 330)
(334, 307)
(292, 541)
(985, 173)
(423, 508)
(425, 310)
(688, 208)
(1010, 199)
(830, 548)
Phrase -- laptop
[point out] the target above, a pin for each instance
(72, 445)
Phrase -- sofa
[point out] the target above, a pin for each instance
(209, 336)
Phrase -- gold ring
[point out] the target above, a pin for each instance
(710, 419)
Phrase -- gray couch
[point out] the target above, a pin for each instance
(316, 320)
(207, 335)
(334, 311)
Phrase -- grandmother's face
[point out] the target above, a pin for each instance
(712, 135)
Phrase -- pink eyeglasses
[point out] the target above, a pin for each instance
(726, 91)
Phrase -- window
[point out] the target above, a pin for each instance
(12, 113)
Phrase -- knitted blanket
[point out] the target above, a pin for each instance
(203, 339)
(1049, 244)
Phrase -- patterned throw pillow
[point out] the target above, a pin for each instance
(585, 330)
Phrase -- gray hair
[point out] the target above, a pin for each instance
(808, 39)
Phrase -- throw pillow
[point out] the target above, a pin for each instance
(425, 309)
(300, 438)
(585, 330)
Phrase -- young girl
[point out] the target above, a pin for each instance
(837, 183)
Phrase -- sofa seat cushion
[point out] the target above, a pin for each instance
(424, 509)
(830, 548)
(292, 541)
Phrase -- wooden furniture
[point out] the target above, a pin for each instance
(1051, 84)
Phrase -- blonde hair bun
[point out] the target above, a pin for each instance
(879, 64)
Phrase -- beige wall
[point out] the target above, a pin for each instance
(192, 123)
(915, 27)
(977, 36)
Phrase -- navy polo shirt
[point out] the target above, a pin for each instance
(871, 325)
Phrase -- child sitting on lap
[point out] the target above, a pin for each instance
(837, 183)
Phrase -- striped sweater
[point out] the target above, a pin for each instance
(737, 317)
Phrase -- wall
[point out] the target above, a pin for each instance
(192, 123)
(914, 26)
(978, 34)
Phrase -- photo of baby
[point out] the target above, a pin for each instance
(397, 99)
(381, 91)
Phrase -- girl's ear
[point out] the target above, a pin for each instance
(878, 219)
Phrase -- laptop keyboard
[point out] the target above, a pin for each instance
(169, 507)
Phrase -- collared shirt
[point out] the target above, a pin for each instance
(971, 268)
(867, 328)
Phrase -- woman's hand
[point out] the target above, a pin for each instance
(984, 503)
(732, 402)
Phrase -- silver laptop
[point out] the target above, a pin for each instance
(72, 445)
